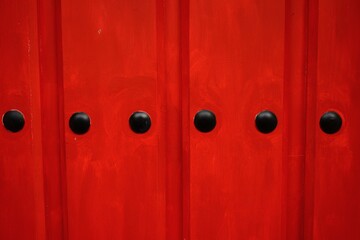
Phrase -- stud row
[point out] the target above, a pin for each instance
(204, 121)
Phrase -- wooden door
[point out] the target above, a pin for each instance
(169, 119)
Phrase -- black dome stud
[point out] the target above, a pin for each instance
(79, 123)
(140, 122)
(330, 122)
(205, 121)
(266, 121)
(13, 121)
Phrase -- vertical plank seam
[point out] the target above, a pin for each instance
(52, 10)
(61, 107)
(309, 176)
(294, 137)
(185, 111)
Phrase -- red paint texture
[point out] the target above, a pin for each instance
(172, 58)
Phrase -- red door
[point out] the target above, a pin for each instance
(169, 119)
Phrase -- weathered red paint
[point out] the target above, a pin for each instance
(21, 171)
(172, 58)
(335, 193)
(236, 70)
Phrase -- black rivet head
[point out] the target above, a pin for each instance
(205, 121)
(13, 121)
(79, 123)
(330, 122)
(266, 121)
(140, 122)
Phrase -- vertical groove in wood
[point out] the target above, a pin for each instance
(185, 114)
(311, 122)
(52, 115)
(168, 87)
(294, 118)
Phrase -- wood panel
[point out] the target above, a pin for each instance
(236, 54)
(335, 87)
(21, 175)
(116, 179)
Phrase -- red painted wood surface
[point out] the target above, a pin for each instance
(236, 70)
(116, 180)
(21, 164)
(335, 165)
(172, 58)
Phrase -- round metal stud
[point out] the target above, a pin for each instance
(330, 122)
(205, 121)
(140, 122)
(79, 123)
(266, 121)
(13, 121)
